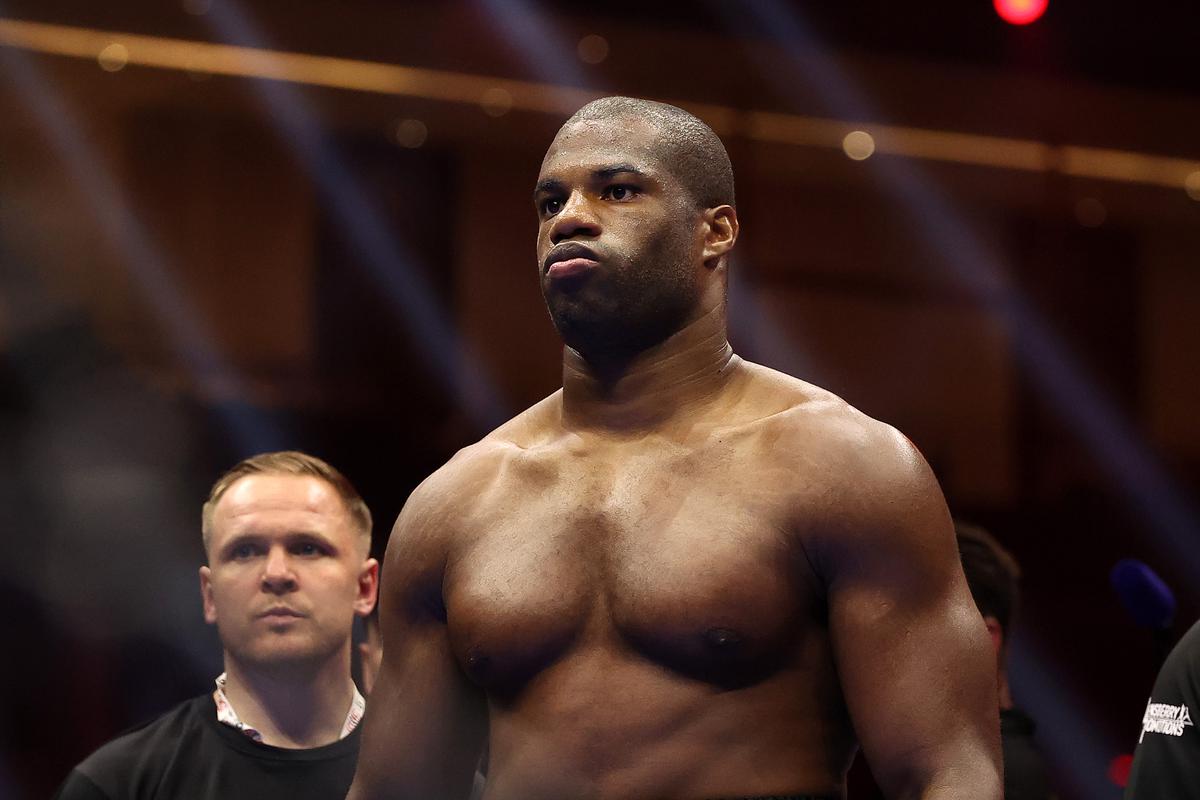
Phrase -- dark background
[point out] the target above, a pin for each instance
(196, 267)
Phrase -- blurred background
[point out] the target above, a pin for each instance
(228, 227)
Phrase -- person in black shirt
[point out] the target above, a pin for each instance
(288, 543)
(1166, 764)
(993, 577)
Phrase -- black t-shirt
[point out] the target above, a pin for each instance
(1166, 763)
(187, 753)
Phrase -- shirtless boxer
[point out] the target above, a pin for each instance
(683, 576)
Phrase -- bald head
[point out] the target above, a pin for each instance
(692, 151)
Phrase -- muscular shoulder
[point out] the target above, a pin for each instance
(473, 469)
(433, 516)
(810, 426)
(860, 479)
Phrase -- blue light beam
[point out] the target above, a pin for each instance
(392, 266)
(1081, 405)
(187, 335)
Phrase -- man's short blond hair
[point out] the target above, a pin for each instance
(289, 462)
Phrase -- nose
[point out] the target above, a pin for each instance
(277, 576)
(577, 218)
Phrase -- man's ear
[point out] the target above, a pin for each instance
(720, 233)
(368, 587)
(206, 595)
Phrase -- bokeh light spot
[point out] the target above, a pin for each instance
(858, 145)
(496, 102)
(1191, 185)
(1020, 12)
(592, 49)
(1118, 769)
(411, 133)
(114, 57)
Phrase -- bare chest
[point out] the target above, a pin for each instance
(685, 557)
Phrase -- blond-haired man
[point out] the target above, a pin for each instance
(288, 544)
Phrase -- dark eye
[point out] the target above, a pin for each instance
(620, 192)
(243, 551)
(307, 549)
(551, 207)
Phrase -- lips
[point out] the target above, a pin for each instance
(570, 268)
(281, 612)
(570, 260)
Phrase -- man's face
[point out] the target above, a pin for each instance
(287, 572)
(620, 240)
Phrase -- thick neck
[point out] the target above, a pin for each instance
(687, 369)
(296, 707)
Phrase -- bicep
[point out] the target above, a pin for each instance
(424, 729)
(425, 721)
(913, 657)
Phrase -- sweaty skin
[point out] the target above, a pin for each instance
(683, 576)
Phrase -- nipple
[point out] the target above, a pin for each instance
(477, 662)
(722, 639)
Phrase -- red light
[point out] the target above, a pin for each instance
(1020, 12)
(1118, 769)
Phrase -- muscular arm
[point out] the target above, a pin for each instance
(911, 649)
(425, 721)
